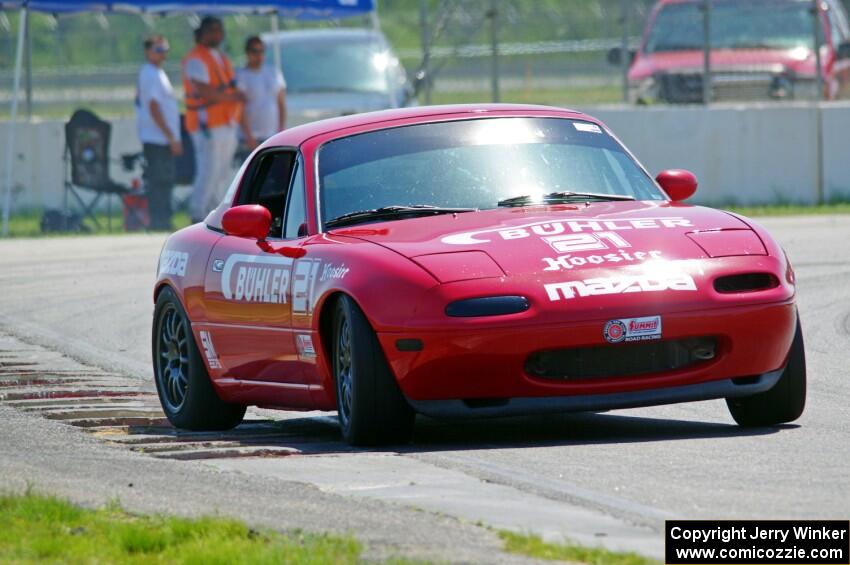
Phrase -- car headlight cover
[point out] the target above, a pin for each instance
(487, 306)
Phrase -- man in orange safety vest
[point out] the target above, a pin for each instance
(213, 111)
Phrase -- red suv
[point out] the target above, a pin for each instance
(760, 50)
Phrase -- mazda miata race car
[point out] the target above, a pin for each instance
(465, 261)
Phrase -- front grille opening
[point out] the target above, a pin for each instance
(627, 360)
(749, 282)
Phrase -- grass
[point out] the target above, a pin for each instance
(28, 224)
(534, 546)
(40, 529)
(43, 529)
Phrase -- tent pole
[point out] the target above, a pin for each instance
(10, 142)
(425, 66)
(275, 22)
(376, 19)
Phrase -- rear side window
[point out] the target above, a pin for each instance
(269, 184)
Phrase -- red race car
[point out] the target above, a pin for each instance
(462, 261)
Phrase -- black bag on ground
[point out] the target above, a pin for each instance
(59, 221)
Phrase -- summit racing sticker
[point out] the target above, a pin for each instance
(209, 350)
(619, 285)
(632, 329)
(304, 344)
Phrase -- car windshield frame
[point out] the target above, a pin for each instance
(653, 190)
(770, 7)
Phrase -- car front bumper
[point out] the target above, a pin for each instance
(459, 367)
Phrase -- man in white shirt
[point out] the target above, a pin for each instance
(264, 113)
(158, 125)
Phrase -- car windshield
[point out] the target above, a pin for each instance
(331, 64)
(758, 24)
(475, 164)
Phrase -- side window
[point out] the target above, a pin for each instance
(269, 185)
(296, 210)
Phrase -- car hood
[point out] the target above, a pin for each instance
(523, 240)
(796, 61)
(649, 257)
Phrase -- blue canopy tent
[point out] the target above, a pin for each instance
(298, 9)
(294, 9)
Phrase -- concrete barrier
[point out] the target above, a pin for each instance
(741, 154)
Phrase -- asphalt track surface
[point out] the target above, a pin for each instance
(597, 478)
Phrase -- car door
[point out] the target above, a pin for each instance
(247, 290)
(305, 273)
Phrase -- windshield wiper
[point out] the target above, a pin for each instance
(392, 212)
(566, 196)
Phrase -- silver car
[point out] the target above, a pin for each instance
(335, 72)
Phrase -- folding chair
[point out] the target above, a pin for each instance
(87, 150)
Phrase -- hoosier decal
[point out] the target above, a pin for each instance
(619, 285)
(567, 262)
(331, 271)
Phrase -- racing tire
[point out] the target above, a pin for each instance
(185, 391)
(782, 403)
(370, 406)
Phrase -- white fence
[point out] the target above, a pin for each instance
(741, 155)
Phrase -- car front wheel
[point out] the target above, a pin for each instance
(782, 403)
(371, 408)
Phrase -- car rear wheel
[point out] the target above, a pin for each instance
(371, 408)
(185, 392)
(785, 401)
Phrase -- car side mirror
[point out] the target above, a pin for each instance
(844, 50)
(677, 183)
(250, 220)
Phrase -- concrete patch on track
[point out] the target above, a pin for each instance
(407, 481)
